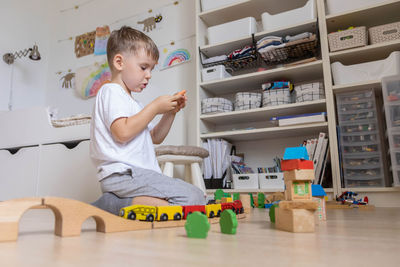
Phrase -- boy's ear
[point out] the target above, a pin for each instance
(118, 62)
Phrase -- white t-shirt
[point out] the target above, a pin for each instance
(113, 102)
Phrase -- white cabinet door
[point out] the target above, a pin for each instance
(18, 173)
(68, 173)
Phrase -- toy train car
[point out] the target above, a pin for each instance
(165, 213)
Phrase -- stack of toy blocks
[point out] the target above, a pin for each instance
(296, 212)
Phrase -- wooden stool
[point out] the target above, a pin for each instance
(190, 156)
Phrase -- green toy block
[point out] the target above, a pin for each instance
(261, 200)
(197, 225)
(219, 193)
(228, 222)
(272, 212)
(251, 200)
(236, 196)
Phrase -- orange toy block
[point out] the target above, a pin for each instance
(297, 164)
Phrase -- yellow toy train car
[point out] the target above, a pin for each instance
(139, 212)
(165, 213)
(213, 210)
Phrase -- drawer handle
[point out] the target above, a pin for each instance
(243, 177)
(390, 32)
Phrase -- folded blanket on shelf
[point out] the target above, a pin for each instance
(215, 59)
(240, 52)
(300, 36)
(268, 41)
(304, 40)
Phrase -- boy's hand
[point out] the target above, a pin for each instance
(166, 103)
(181, 101)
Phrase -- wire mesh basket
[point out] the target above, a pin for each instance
(292, 51)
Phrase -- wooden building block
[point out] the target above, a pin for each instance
(298, 175)
(168, 224)
(70, 214)
(298, 204)
(11, 212)
(320, 214)
(297, 164)
(298, 190)
(226, 200)
(246, 202)
(295, 220)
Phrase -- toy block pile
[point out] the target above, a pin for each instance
(296, 212)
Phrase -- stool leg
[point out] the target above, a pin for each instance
(197, 178)
(168, 169)
(188, 174)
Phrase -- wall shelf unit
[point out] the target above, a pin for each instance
(216, 125)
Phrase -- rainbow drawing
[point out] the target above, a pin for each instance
(177, 56)
(90, 79)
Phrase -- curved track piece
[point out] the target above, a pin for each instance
(11, 212)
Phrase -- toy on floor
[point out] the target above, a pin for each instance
(261, 200)
(197, 225)
(296, 212)
(318, 194)
(228, 222)
(349, 198)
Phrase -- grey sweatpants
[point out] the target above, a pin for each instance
(144, 182)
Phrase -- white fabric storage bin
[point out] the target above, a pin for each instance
(231, 30)
(291, 17)
(309, 92)
(212, 4)
(245, 181)
(273, 180)
(215, 105)
(214, 73)
(374, 70)
(274, 97)
(246, 100)
(339, 6)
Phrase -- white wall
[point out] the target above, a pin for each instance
(24, 23)
(179, 23)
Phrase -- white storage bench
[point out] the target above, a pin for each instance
(291, 17)
(35, 160)
(374, 70)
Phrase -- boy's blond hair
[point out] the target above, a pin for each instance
(128, 39)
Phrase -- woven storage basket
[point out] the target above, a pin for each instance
(215, 105)
(309, 92)
(246, 100)
(276, 97)
(348, 39)
(384, 33)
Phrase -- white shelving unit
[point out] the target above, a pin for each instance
(238, 126)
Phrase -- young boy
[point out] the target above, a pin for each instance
(122, 134)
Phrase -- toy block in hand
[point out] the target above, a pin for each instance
(299, 175)
(297, 164)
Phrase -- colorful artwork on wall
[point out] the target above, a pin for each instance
(100, 45)
(84, 44)
(174, 54)
(89, 79)
(66, 79)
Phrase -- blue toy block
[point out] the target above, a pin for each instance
(296, 153)
(317, 190)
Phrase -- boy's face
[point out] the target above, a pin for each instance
(136, 72)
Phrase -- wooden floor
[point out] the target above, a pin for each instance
(348, 238)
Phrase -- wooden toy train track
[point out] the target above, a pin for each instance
(70, 215)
